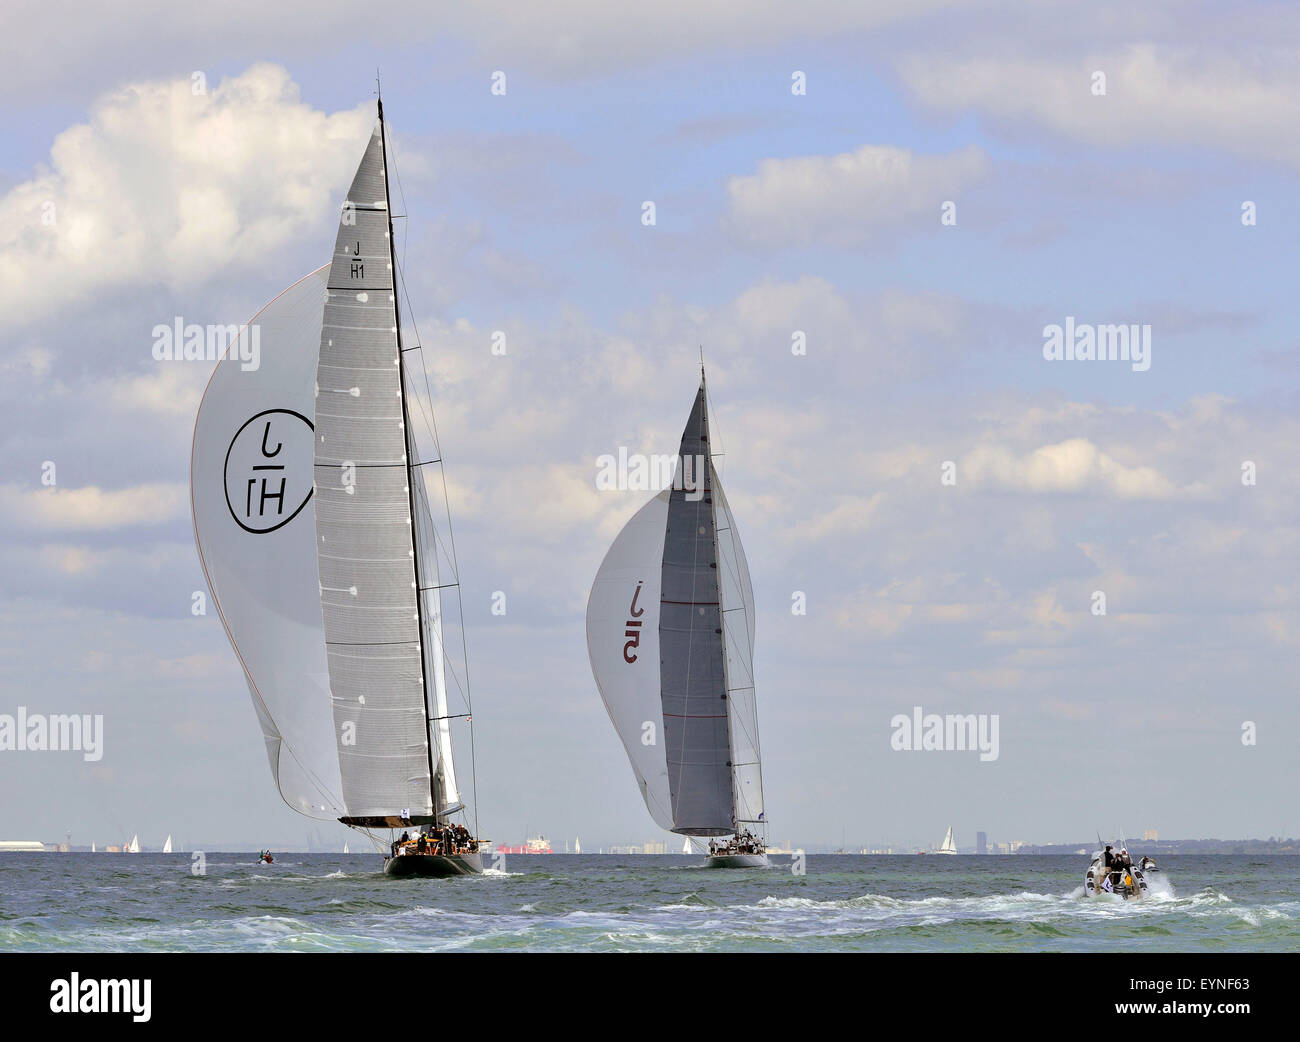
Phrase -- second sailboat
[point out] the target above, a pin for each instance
(670, 634)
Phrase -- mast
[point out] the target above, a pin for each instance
(707, 476)
(410, 470)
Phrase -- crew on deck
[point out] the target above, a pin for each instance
(444, 840)
(744, 842)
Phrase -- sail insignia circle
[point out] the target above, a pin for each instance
(268, 470)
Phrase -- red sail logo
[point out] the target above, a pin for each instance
(633, 627)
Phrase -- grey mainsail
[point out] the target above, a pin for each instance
(691, 657)
(365, 545)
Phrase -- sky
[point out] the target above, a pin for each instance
(1096, 162)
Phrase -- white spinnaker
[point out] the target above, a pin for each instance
(623, 645)
(261, 568)
(737, 597)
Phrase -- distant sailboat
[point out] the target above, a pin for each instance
(949, 844)
(167, 846)
(92, 846)
(345, 847)
(670, 635)
(312, 516)
(134, 846)
(686, 846)
(577, 845)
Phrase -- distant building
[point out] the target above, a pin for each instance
(1150, 836)
(981, 843)
(28, 845)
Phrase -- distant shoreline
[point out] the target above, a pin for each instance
(1225, 847)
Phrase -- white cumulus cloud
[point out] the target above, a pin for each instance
(162, 186)
(840, 199)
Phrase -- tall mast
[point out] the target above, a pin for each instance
(410, 466)
(710, 483)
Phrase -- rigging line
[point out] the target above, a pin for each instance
(401, 275)
(713, 484)
(408, 442)
(754, 738)
(448, 668)
(406, 228)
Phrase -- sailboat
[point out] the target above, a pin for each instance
(670, 635)
(577, 845)
(134, 846)
(345, 847)
(312, 516)
(949, 844)
(167, 845)
(686, 846)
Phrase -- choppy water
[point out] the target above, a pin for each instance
(329, 902)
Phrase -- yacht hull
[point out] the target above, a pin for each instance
(737, 861)
(433, 865)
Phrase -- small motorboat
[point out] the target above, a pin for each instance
(1127, 882)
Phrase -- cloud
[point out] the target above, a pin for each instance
(840, 200)
(91, 508)
(564, 39)
(1071, 467)
(1167, 95)
(165, 187)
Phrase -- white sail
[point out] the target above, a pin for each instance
(670, 633)
(317, 543)
(345, 847)
(92, 846)
(736, 594)
(167, 844)
(949, 844)
(686, 846)
(623, 645)
(435, 658)
(134, 846)
(255, 531)
(577, 845)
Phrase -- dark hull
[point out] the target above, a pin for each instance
(433, 865)
(737, 861)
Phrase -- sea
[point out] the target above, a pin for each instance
(670, 903)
